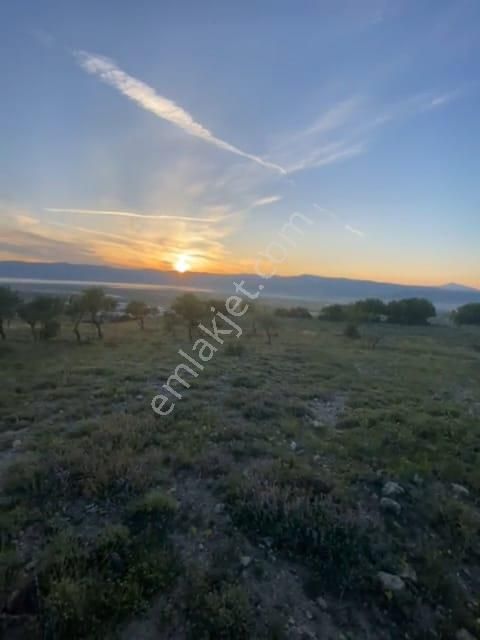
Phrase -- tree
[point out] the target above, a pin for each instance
(191, 309)
(76, 312)
(410, 311)
(138, 310)
(90, 304)
(43, 311)
(9, 301)
(268, 323)
(370, 309)
(334, 313)
(94, 301)
(468, 314)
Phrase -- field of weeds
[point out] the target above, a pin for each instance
(318, 487)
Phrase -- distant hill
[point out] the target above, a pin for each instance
(454, 286)
(305, 287)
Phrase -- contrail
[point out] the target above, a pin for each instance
(129, 214)
(162, 107)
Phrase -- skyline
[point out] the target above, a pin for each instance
(187, 135)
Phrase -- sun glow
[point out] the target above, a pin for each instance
(182, 264)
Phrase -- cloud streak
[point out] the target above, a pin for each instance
(129, 214)
(147, 98)
(263, 202)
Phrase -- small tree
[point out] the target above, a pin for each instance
(9, 302)
(468, 314)
(191, 309)
(75, 310)
(268, 323)
(94, 301)
(410, 311)
(43, 311)
(139, 311)
(369, 310)
(334, 313)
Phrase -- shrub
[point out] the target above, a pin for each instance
(468, 314)
(351, 331)
(410, 311)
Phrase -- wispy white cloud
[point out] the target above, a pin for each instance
(355, 232)
(128, 214)
(162, 107)
(262, 202)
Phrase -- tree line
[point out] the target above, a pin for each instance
(43, 313)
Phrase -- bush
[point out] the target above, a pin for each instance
(468, 314)
(410, 311)
(351, 331)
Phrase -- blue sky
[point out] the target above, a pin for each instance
(137, 133)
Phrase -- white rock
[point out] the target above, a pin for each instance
(322, 603)
(245, 561)
(392, 489)
(293, 445)
(391, 582)
(17, 444)
(409, 573)
(460, 490)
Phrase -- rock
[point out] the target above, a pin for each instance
(139, 397)
(463, 634)
(409, 573)
(460, 490)
(219, 507)
(17, 444)
(316, 423)
(392, 489)
(293, 445)
(309, 614)
(390, 506)
(322, 603)
(417, 479)
(391, 582)
(245, 561)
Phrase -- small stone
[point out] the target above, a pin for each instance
(460, 490)
(309, 614)
(17, 444)
(322, 603)
(219, 507)
(418, 479)
(390, 506)
(391, 582)
(409, 573)
(392, 489)
(316, 423)
(293, 445)
(139, 397)
(463, 634)
(245, 561)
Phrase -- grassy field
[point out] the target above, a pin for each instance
(312, 488)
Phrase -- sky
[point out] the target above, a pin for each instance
(163, 134)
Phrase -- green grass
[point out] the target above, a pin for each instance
(111, 516)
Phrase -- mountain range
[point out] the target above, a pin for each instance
(305, 287)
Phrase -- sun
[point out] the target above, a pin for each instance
(182, 264)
